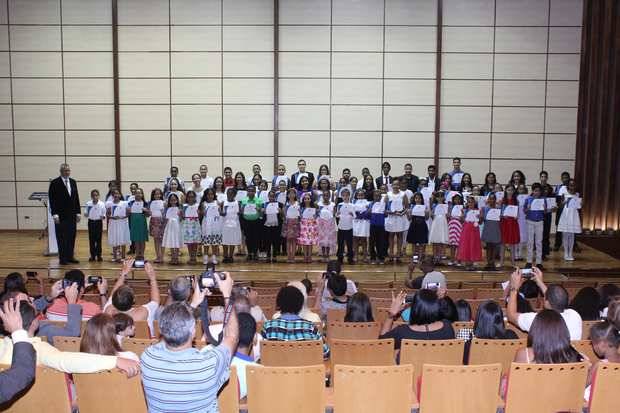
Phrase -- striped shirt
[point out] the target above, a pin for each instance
(183, 381)
(59, 309)
(292, 328)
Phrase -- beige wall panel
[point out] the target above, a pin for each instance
(357, 65)
(562, 93)
(566, 12)
(361, 118)
(36, 64)
(248, 12)
(304, 38)
(355, 165)
(529, 93)
(7, 194)
(35, 38)
(305, 12)
(295, 143)
(38, 116)
(81, 64)
(409, 118)
(195, 38)
(87, 38)
(192, 91)
(561, 120)
(521, 40)
(517, 145)
(303, 91)
(86, 12)
(565, 40)
(356, 143)
(144, 91)
(5, 117)
(408, 144)
(31, 217)
(468, 13)
(518, 119)
(8, 218)
(564, 66)
(195, 11)
(37, 91)
(34, 11)
(248, 38)
(142, 38)
(410, 39)
(91, 168)
(413, 65)
(520, 66)
(465, 119)
(255, 91)
(143, 11)
(248, 64)
(465, 145)
(39, 143)
(409, 92)
(466, 92)
(89, 142)
(302, 64)
(89, 91)
(467, 66)
(142, 169)
(37, 168)
(149, 143)
(423, 12)
(193, 143)
(7, 167)
(248, 143)
(357, 38)
(6, 143)
(259, 117)
(196, 117)
(555, 169)
(24, 189)
(4, 64)
(468, 39)
(144, 117)
(560, 146)
(196, 64)
(365, 12)
(299, 117)
(522, 12)
(89, 116)
(144, 64)
(356, 91)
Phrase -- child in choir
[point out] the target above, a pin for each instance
(438, 234)
(455, 226)
(396, 221)
(220, 189)
(241, 187)
(304, 187)
(322, 186)
(470, 250)
(361, 225)
(156, 223)
(281, 194)
(133, 187)
(192, 232)
(229, 181)
(491, 232)
(499, 195)
(211, 228)
(326, 226)
(138, 228)
(173, 236)
(535, 208)
(308, 234)
(96, 213)
(290, 229)
(418, 229)
(263, 191)
(377, 242)
(231, 226)
(251, 222)
(272, 227)
(280, 177)
(118, 227)
(197, 185)
(570, 223)
(345, 214)
(404, 187)
(510, 225)
(281, 197)
(175, 189)
(522, 196)
(369, 187)
(109, 197)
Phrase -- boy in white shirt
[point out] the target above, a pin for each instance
(243, 357)
(95, 212)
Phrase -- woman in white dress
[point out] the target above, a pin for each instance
(173, 237)
(396, 221)
(231, 226)
(118, 226)
(570, 223)
(211, 226)
(438, 236)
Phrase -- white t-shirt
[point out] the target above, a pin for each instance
(241, 364)
(95, 212)
(571, 318)
(347, 213)
(151, 309)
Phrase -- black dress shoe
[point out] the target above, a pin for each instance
(63, 263)
(99, 259)
(73, 261)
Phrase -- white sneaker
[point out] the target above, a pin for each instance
(205, 259)
(214, 259)
(569, 259)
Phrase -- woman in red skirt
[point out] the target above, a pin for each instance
(470, 249)
(509, 225)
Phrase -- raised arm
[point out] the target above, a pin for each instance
(150, 272)
(231, 330)
(538, 277)
(516, 279)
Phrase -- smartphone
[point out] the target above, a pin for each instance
(94, 279)
(527, 273)
(31, 274)
(139, 263)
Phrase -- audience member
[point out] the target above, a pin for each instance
(178, 377)
(605, 343)
(548, 341)
(556, 298)
(489, 325)
(179, 291)
(308, 284)
(613, 315)
(99, 337)
(23, 360)
(463, 310)
(59, 308)
(243, 357)
(336, 299)
(124, 327)
(448, 309)
(607, 292)
(426, 321)
(586, 302)
(305, 312)
(359, 309)
(290, 326)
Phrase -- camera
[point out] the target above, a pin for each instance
(328, 274)
(66, 283)
(527, 273)
(139, 263)
(31, 274)
(94, 279)
(209, 278)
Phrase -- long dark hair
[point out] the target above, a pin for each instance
(359, 309)
(549, 339)
(14, 282)
(489, 321)
(425, 308)
(99, 336)
(586, 303)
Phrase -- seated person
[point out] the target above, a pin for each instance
(336, 299)
(122, 299)
(426, 321)
(179, 291)
(243, 357)
(217, 313)
(429, 275)
(605, 343)
(335, 267)
(23, 362)
(613, 313)
(99, 337)
(489, 325)
(305, 312)
(290, 326)
(124, 327)
(359, 309)
(178, 377)
(436, 281)
(556, 298)
(59, 308)
(49, 356)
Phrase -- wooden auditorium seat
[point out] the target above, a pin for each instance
(420, 352)
(291, 353)
(137, 345)
(109, 391)
(362, 352)
(483, 351)
(353, 331)
(67, 343)
(603, 393)
(48, 393)
(228, 396)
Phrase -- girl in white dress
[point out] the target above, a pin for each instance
(192, 233)
(439, 234)
(220, 190)
(173, 238)
(118, 226)
(211, 226)
(231, 227)
(570, 223)
(361, 225)
(327, 227)
(156, 223)
(396, 221)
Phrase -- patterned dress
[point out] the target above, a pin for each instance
(211, 224)
(455, 228)
(308, 234)
(192, 233)
(326, 227)
(290, 229)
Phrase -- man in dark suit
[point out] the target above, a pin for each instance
(301, 172)
(23, 361)
(65, 205)
(385, 178)
(412, 180)
(432, 179)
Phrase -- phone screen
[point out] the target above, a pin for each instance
(138, 264)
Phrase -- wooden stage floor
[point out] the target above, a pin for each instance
(22, 251)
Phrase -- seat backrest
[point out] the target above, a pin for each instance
(372, 388)
(267, 291)
(335, 314)
(379, 293)
(268, 310)
(546, 387)
(374, 285)
(420, 352)
(286, 389)
(603, 393)
(291, 353)
(353, 331)
(267, 299)
(585, 348)
(460, 325)
(48, 393)
(121, 394)
(142, 329)
(67, 343)
(585, 328)
(198, 336)
(461, 293)
(362, 352)
(137, 345)
(474, 304)
(380, 302)
(228, 396)
(484, 351)
(489, 293)
(460, 389)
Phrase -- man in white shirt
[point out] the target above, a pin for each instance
(556, 298)
(205, 180)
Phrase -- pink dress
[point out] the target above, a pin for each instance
(308, 234)
(326, 227)
(455, 228)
